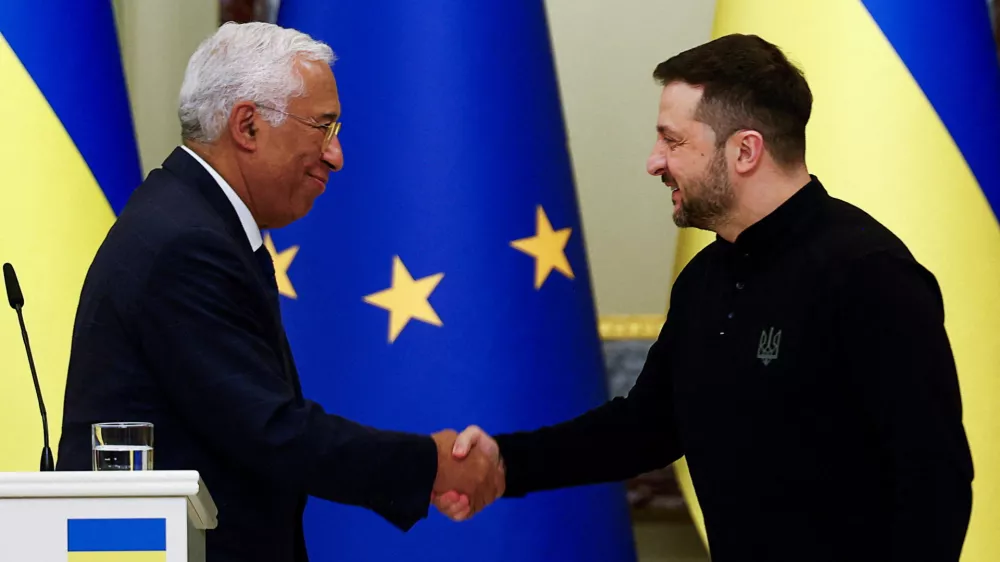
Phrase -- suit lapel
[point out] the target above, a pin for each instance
(181, 164)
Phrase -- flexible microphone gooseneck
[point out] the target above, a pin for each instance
(16, 300)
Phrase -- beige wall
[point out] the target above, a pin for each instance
(157, 37)
(605, 54)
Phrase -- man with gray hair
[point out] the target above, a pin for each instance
(179, 324)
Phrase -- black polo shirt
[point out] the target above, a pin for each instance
(805, 372)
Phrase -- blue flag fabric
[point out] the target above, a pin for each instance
(442, 280)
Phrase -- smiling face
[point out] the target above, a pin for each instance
(290, 166)
(686, 157)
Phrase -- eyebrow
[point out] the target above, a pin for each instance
(329, 116)
(664, 130)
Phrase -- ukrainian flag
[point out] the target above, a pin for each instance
(116, 540)
(907, 104)
(68, 161)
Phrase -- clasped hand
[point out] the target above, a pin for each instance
(470, 473)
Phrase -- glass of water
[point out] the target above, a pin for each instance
(122, 445)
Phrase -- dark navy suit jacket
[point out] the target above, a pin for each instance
(178, 324)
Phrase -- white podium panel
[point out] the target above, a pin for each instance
(149, 516)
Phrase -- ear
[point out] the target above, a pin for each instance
(750, 147)
(242, 126)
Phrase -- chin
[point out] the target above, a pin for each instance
(299, 213)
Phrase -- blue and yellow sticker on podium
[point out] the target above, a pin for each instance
(116, 540)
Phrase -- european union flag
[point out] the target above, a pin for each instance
(442, 279)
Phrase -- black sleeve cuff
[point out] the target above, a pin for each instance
(514, 465)
(409, 482)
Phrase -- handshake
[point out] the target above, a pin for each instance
(470, 473)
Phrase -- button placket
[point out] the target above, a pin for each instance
(742, 265)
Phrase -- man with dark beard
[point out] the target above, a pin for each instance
(804, 368)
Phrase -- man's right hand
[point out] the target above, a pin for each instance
(473, 445)
(468, 478)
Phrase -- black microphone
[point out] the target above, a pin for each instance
(16, 300)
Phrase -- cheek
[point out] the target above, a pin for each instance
(693, 166)
(293, 166)
(680, 167)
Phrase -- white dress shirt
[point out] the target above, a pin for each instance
(249, 225)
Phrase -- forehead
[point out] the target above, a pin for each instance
(678, 103)
(321, 94)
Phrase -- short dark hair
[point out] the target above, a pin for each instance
(747, 83)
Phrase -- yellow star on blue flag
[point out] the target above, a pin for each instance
(547, 246)
(406, 299)
(282, 261)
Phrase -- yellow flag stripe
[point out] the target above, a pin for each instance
(875, 141)
(54, 218)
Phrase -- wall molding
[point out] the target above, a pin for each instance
(630, 326)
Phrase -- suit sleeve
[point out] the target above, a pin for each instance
(901, 364)
(207, 344)
(624, 437)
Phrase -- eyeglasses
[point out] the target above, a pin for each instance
(331, 129)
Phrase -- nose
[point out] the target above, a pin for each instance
(333, 156)
(656, 164)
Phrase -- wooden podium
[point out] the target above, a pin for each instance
(104, 516)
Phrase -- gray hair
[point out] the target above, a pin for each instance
(250, 61)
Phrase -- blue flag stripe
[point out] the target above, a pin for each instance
(949, 49)
(70, 49)
(117, 535)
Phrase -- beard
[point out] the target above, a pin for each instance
(707, 201)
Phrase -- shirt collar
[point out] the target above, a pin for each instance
(242, 211)
(781, 225)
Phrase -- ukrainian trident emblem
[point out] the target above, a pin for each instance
(767, 350)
